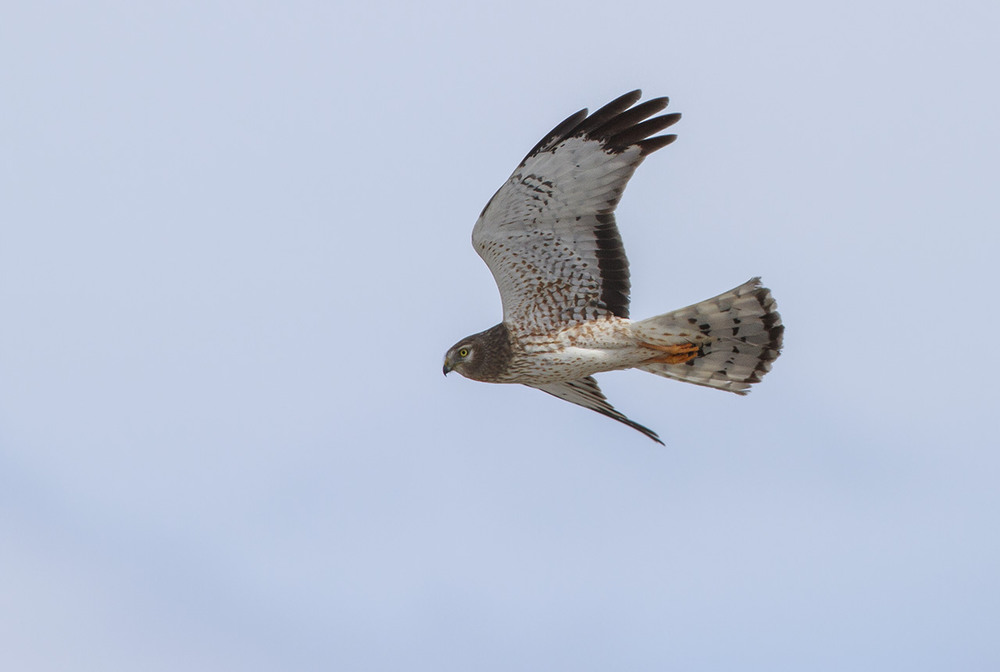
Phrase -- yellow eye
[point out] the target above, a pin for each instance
(464, 352)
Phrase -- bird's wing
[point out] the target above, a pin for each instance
(549, 234)
(586, 393)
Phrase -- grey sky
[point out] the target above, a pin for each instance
(235, 247)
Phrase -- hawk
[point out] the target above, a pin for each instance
(550, 239)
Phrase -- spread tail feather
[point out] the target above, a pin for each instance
(736, 336)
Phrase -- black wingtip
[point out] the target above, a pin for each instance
(645, 430)
(607, 113)
(615, 414)
(653, 144)
(617, 125)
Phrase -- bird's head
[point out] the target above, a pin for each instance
(483, 356)
(461, 357)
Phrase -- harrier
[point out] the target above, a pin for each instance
(550, 239)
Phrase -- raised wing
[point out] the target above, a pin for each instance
(549, 234)
(586, 393)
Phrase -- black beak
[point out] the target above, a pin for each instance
(446, 369)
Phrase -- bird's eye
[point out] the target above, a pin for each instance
(464, 352)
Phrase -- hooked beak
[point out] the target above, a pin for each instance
(447, 368)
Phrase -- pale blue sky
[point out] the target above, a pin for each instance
(235, 247)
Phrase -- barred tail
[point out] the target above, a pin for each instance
(727, 342)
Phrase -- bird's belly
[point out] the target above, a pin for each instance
(575, 354)
(568, 364)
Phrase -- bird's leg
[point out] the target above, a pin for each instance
(672, 354)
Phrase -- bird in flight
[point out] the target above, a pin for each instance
(550, 239)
